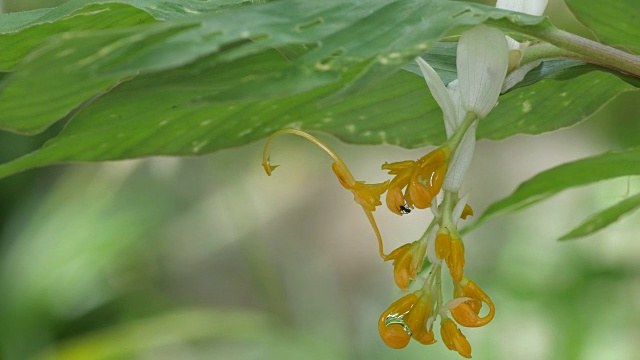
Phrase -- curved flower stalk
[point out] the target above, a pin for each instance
(366, 195)
(482, 64)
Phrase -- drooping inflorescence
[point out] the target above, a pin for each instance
(434, 182)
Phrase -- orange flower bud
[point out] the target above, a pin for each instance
(402, 270)
(395, 335)
(417, 318)
(395, 200)
(422, 179)
(454, 339)
(419, 194)
(467, 313)
(437, 177)
(407, 261)
(455, 261)
(443, 244)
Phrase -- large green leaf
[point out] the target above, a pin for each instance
(613, 22)
(175, 116)
(604, 218)
(555, 180)
(90, 17)
(196, 84)
(381, 35)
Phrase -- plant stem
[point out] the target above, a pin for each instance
(545, 51)
(584, 49)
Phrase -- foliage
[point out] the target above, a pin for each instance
(111, 80)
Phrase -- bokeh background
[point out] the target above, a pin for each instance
(208, 258)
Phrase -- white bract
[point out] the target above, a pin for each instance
(482, 61)
(517, 49)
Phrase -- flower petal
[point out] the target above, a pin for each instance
(483, 58)
(454, 92)
(518, 75)
(532, 7)
(440, 93)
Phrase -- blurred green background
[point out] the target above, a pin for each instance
(208, 258)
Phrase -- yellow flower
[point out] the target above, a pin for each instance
(407, 261)
(467, 313)
(405, 318)
(455, 260)
(422, 180)
(451, 249)
(454, 339)
(443, 244)
(395, 334)
(417, 319)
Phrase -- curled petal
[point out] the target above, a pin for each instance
(395, 335)
(467, 313)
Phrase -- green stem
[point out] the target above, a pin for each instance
(546, 51)
(587, 50)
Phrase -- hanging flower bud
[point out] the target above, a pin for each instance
(454, 339)
(407, 261)
(455, 260)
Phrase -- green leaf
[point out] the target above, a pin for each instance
(604, 218)
(613, 22)
(15, 21)
(550, 105)
(555, 180)
(383, 36)
(197, 84)
(90, 17)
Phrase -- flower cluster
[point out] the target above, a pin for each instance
(484, 58)
(483, 54)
